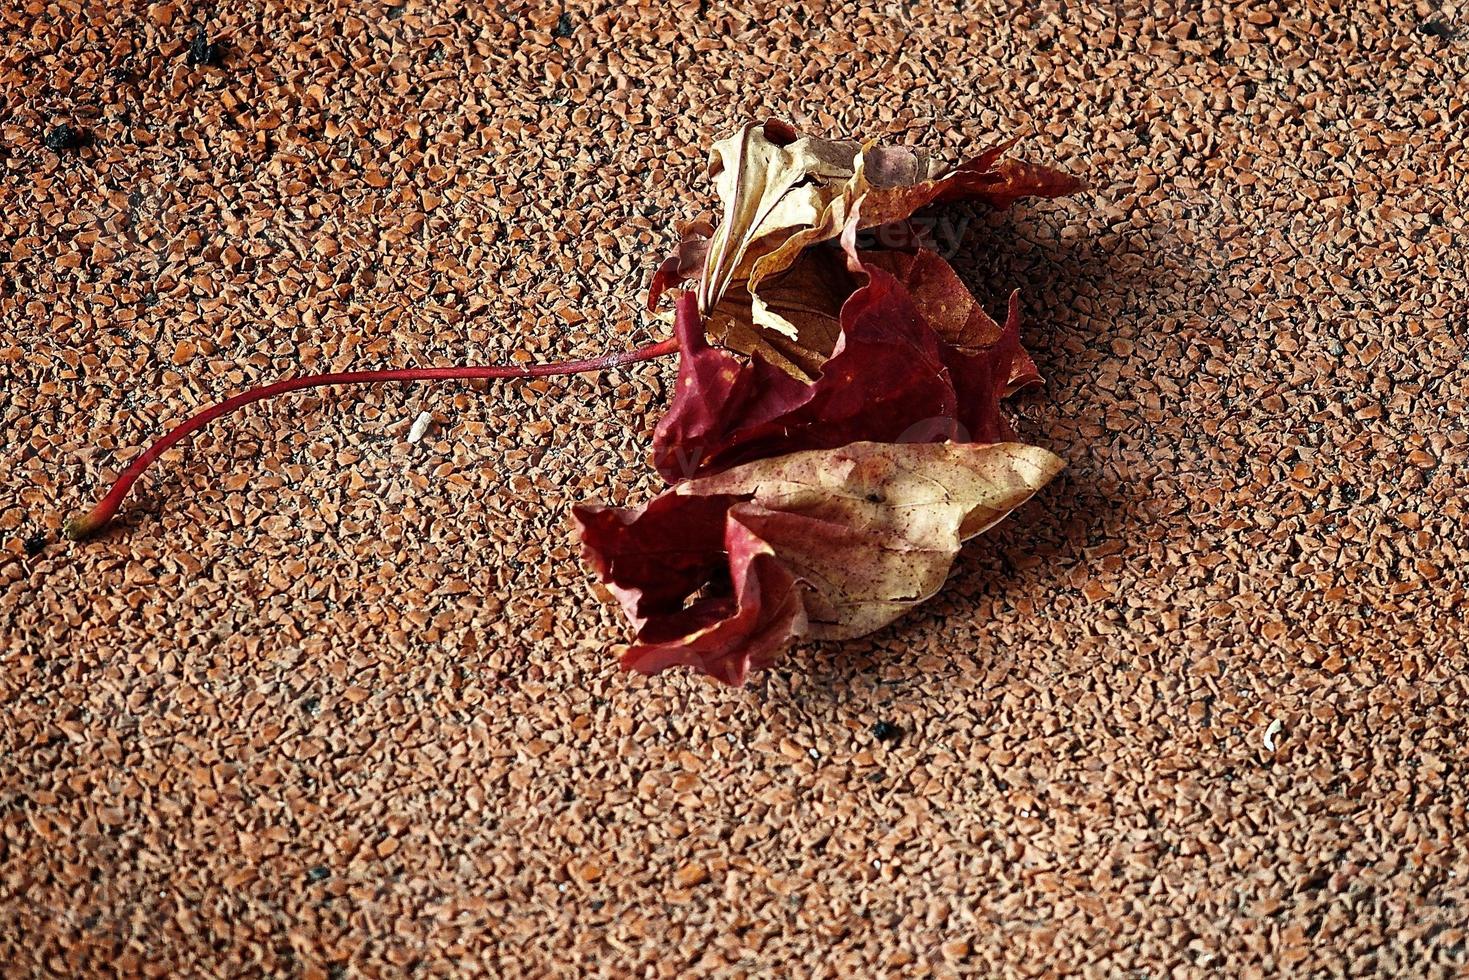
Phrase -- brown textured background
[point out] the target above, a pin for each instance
(331, 704)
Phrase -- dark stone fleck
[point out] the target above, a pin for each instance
(63, 137)
(318, 873)
(312, 706)
(1436, 28)
(564, 26)
(1350, 493)
(1315, 881)
(202, 51)
(596, 904)
(35, 544)
(886, 731)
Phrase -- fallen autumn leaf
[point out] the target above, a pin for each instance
(721, 573)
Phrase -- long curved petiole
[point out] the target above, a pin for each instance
(78, 528)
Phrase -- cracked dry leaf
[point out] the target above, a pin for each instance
(783, 194)
(774, 183)
(908, 356)
(722, 573)
(871, 529)
(886, 377)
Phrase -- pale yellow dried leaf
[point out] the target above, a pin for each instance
(779, 200)
(756, 179)
(872, 528)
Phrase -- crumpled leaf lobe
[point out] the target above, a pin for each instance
(722, 573)
(893, 374)
(700, 588)
(782, 198)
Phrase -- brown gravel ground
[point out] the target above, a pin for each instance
(332, 704)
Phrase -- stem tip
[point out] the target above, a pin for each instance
(81, 528)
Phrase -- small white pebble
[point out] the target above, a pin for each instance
(1270, 733)
(420, 426)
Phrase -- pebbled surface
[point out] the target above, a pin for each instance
(332, 703)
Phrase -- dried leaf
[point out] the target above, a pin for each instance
(783, 194)
(700, 589)
(846, 436)
(885, 376)
(771, 183)
(826, 544)
(872, 528)
(892, 375)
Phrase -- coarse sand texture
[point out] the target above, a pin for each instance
(337, 697)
